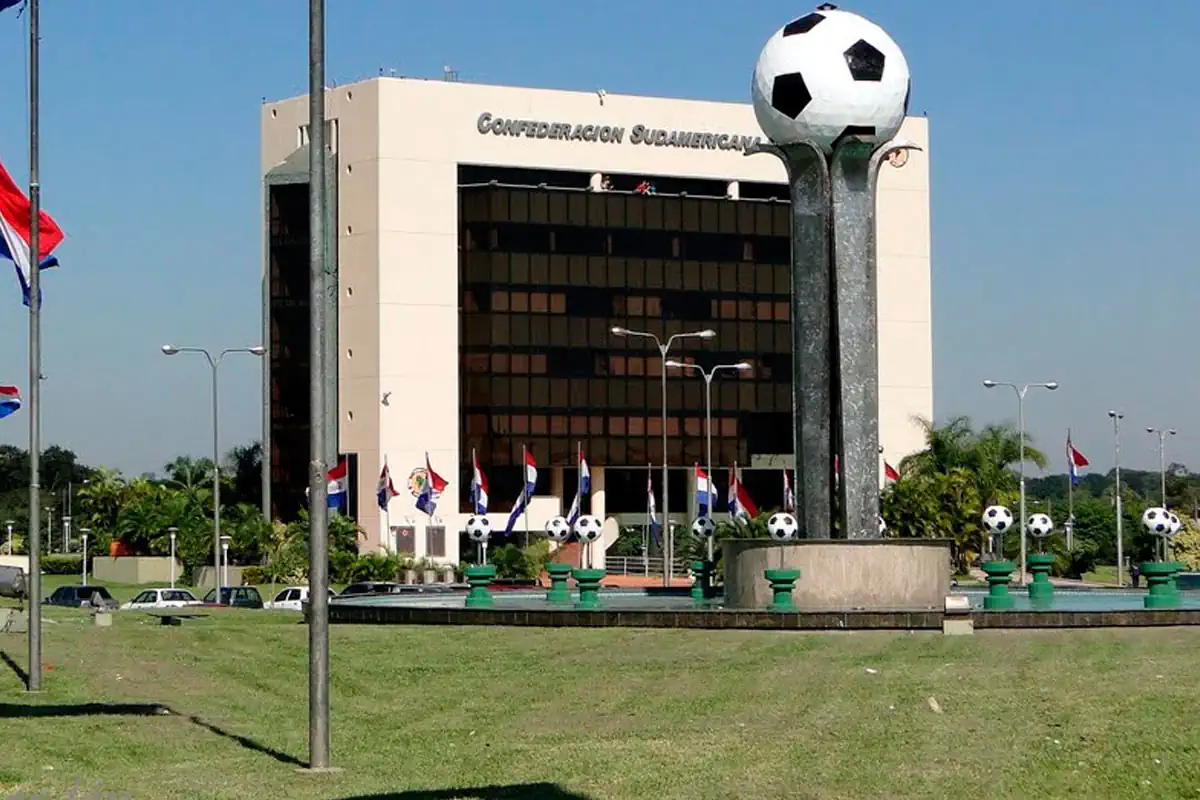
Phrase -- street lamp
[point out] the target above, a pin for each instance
(1116, 417)
(173, 531)
(8, 523)
(1162, 434)
(214, 363)
(225, 561)
(66, 532)
(663, 348)
(1020, 392)
(741, 366)
(84, 533)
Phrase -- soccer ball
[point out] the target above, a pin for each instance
(588, 528)
(557, 530)
(479, 529)
(997, 519)
(782, 526)
(1157, 520)
(704, 528)
(882, 526)
(1176, 524)
(828, 76)
(1040, 525)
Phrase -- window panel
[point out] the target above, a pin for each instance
(596, 272)
(654, 213)
(559, 394)
(519, 263)
(558, 208)
(615, 210)
(539, 207)
(518, 207)
(596, 205)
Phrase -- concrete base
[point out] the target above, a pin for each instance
(102, 619)
(841, 574)
(958, 626)
(13, 621)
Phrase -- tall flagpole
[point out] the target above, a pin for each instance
(579, 498)
(34, 681)
(525, 490)
(649, 523)
(387, 506)
(1070, 480)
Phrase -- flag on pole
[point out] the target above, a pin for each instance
(15, 223)
(384, 490)
(432, 489)
(706, 492)
(527, 492)
(337, 489)
(655, 525)
(5, 5)
(479, 489)
(740, 504)
(1077, 462)
(789, 496)
(889, 473)
(585, 488)
(10, 400)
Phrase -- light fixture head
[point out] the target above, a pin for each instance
(169, 349)
(1149, 430)
(708, 333)
(990, 384)
(1172, 431)
(679, 365)
(743, 365)
(1052, 385)
(618, 331)
(258, 350)
(1116, 415)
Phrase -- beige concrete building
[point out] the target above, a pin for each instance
(487, 240)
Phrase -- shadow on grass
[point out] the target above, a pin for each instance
(524, 791)
(15, 667)
(32, 711)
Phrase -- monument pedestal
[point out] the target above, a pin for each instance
(999, 573)
(1160, 577)
(782, 581)
(1041, 590)
(589, 587)
(558, 595)
(702, 580)
(478, 578)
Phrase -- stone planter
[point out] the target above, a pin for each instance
(702, 580)
(999, 573)
(478, 578)
(558, 595)
(782, 582)
(448, 575)
(429, 576)
(1041, 591)
(409, 576)
(1160, 577)
(588, 581)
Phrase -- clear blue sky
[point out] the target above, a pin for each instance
(1065, 246)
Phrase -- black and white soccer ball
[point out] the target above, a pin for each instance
(828, 76)
(782, 526)
(588, 528)
(1157, 520)
(557, 529)
(1176, 524)
(479, 529)
(1039, 525)
(997, 519)
(882, 525)
(704, 527)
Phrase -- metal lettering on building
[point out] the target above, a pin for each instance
(612, 134)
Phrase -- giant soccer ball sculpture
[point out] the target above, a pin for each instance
(479, 529)
(704, 527)
(1157, 521)
(557, 529)
(588, 528)
(782, 526)
(997, 519)
(828, 76)
(882, 525)
(1040, 525)
(1176, 524)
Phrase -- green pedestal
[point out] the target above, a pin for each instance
(1041, 591)
(589, 587)
(782, 582)
(1160, 576)
(478, 578)
(999, 573)
(702, 585)
(558, 594)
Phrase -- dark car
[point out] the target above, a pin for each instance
(370, 587)
(81, 597)
(236, 596)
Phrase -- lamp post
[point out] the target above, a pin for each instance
(1162, 434)
(66, 532)
(663, 349)
(225, 561)
(708, 377)
(83, 561)
(49, 529)
(173, 531)
(214, 363)
(1116, 417)
(1021, 392)
(8, 523)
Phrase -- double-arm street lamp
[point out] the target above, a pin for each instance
(708, 377)
(1021, 391)
(663, 349)
(1116, 417)
(1162, 434)
(214, 363)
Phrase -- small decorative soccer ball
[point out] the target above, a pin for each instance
(828, 76)
(782, 526)
(882, 525)
(557, 530)
(479, 529)
(1040, 525)
(997, 519)
(1157, 520)
(704, 527)
(1176, 524)
(588, 528)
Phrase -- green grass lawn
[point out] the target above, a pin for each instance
(601, 713)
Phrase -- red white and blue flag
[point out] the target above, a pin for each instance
(890, 474)
(526, 492)
(584, 489)
(706, 492)
(740, 504)
(16, 216)
(479, 489)
(10, 400)
(655, 525)
(385, 490)
(337, 486)
(1077, 462)
(434, 486)
(789, 496)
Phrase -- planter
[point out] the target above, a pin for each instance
(448, 575)
(558, 595)
(1041, 591)
(1160, 577)
(588, 581)
(409, 576)
(702, 580)
(478, 578)
(999, 573)
(782, 582)
(429, 576)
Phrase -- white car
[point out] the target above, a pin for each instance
(291, 598)
(162, 598)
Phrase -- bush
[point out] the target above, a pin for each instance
(61, 565)
(254, 576)
(521, 563)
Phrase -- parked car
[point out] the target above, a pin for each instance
(162, 598)
(81, 597)
(370, 587)
(291, 598)
(236, 596)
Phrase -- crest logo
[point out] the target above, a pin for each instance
(417, 480)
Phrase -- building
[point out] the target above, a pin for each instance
(487, 240)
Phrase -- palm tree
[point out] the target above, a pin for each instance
(990, 455)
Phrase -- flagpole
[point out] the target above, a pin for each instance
(525, 489)
(579, 497)
(33, 682)
(1070, 485)
(649, 523)
(387, 506)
